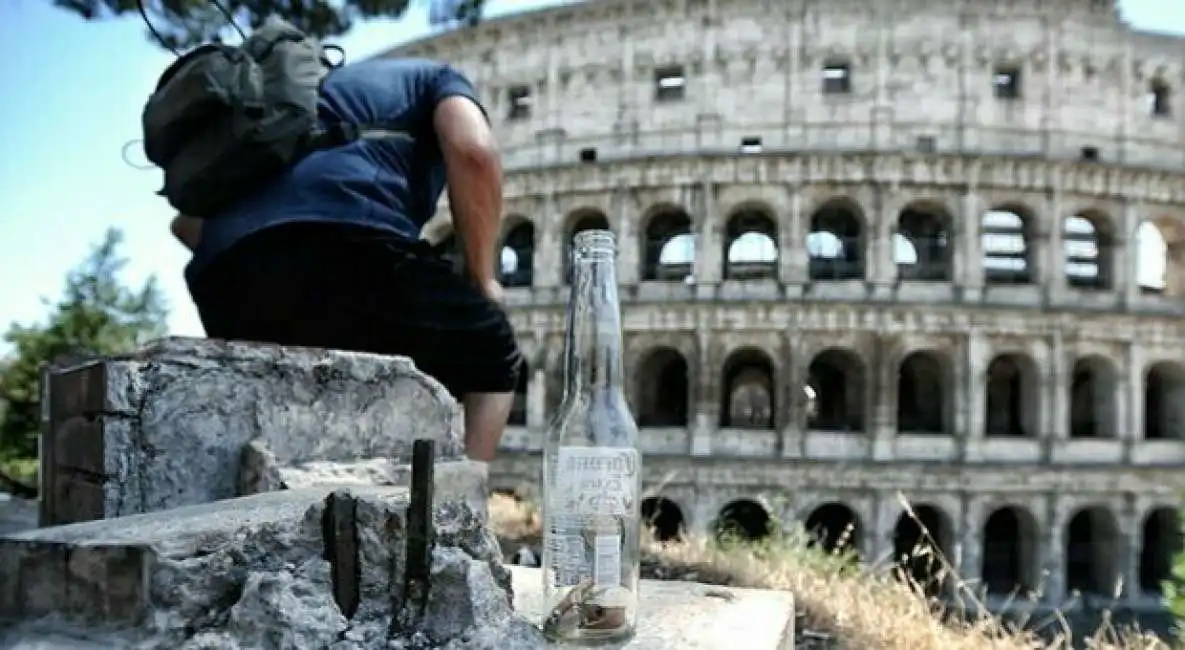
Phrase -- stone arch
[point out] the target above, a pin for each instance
(1093, 549)
(1010, 563)
(1092, 398)
(577, 222)
(921, 542)
(923, 382)
(1088, 239)
(668, 245)
(750, 245)
(748, 395)
(923, 247)
(744, 520)
(662, 389)
(519, 407)
(1160, 251)
(1161, 539)
(516, 267)
(835, 527)
(1012, 402)
(1164, 401)
(1006, 242)
(664, 518)
(836, 384)
(836, 242)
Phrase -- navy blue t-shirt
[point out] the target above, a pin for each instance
(393, 185)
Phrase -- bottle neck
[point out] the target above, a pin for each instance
(593, 356)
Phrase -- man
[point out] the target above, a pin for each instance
(329, 254)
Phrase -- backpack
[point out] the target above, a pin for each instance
(225, 119)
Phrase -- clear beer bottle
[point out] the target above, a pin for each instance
(592, 470)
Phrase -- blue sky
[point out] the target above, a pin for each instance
(73, 92)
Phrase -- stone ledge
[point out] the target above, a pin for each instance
(687, 615)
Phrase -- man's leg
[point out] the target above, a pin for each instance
(465, 342)
(486, 415)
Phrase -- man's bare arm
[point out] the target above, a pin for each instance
(187, 230)
(474, 173)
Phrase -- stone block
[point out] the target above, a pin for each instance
(251, 572)
(687, 615)
(167, 426)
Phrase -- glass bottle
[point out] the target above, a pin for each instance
(592, 470)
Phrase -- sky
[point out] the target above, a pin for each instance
(72, 95)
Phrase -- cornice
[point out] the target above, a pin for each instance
(892, 170)
(774, 474)
(884, 320)
(648, 12)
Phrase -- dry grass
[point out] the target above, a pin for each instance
(859, 607)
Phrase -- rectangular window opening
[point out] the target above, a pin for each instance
(1090, 154)
(519, 98)
(588, 155)
(837, 79)
(670, 84)
(927, 143)
(1007, 82)
(751, 144)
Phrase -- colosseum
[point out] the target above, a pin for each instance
(871, 252)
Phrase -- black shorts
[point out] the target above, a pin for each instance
(352, 288)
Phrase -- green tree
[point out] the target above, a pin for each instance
(97, 314)
(185, 23)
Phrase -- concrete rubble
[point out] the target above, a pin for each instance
(258, 572)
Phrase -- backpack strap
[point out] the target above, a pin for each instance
(343, 133)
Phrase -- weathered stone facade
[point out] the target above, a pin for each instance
(868, 248)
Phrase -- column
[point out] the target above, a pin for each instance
(974, 402)
(1131, 539)
(1057, 396)
(881, 424)
(1053, 552)
(1127, 258)
(793, 411)
(550, 247)
(881, 270)
(971, 252)
(1131, 407)
(537, 400)
(880, 543)
(969, 564)
(708, 245)
(792, 234)
(629, 245)
(1053, 273)
(705, 406)
(554, 117)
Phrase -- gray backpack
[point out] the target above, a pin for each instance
(225, 119)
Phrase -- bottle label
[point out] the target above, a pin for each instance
(607, 563)
(576, 560)
(596, 481)
(595, 490)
